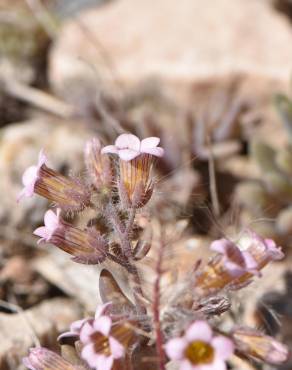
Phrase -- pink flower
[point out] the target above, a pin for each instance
(68, 193)
(76, 326)
(237, 262)
(86, 246)
(199, 349)
(30, 177)
(52, 222)
(129, 146)
(100, 348)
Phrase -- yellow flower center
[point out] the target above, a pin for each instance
(199, 352)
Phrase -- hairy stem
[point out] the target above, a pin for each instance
(124, 234)
(121, 262)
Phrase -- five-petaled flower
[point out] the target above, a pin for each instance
(100, 347)
(237, 262)
(129, 146)
(199, 349)
(136, 158)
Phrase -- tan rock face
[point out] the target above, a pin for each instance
(177, 41)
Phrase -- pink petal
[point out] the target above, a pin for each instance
(89, 355)
(149, 142)
(128, 154)
(157, 152)
(30, 175)
(26, 362)
(51, 220)
(224, 347)
(216, 365)
(109, 149)
(76, 326)
(199, 330)
(85, 334)
(26, 192)
(220, 245)
(234, 269)
(101, 309)
(104, 362)
(186, 365)
(42, 232)
(274, 250)
(128, 141)
(42, 159)
(251, 263)
(175, 347)
(103, 325)
(117, 348)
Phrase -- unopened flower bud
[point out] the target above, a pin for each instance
(98, 165)
(87, 246)
(260, 346)
(67, 193)
(42, 359)
(136, 160)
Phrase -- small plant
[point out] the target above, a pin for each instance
(183, 331)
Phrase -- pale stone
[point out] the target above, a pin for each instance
(178, 42)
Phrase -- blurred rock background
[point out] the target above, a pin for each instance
(211, 78)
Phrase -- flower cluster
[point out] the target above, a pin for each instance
(133, 182)
(117, 338)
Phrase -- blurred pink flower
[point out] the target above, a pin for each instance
(198, 349)
(52, 222)
(100, 348)
(237, 262)
(40, 358)
(263, 250)
(30, 177)
(258, 345)
(129, 146)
